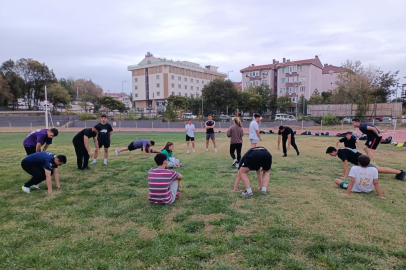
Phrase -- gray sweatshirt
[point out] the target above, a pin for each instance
(235, 133)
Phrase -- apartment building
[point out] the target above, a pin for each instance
(124, 98)
(330, 74)
(155, 79)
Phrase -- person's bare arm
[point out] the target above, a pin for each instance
(345, 169)
(357, 144)
(96, 145)
(56, 177)
(45, 148)
(180, 177)
(350, 185)
(86, 141)
(378, 189)
(49, 180)
(237, 181)
(38, 147)
(374, 130)
(337, 142)
(279, 140)
(259, 136)
(143, 150)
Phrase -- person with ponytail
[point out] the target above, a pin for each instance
(235, 132)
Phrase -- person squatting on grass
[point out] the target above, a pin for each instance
(235, 132)
(255, 159)
(81, 144)
(168, 151)
(103, 138)
(210, 124)
(190, 134)
(288, 135)
(349, 141)
(362, 178)
(41, 166)
(163, 184)
(33, 142)
(374, 136)
(144, 145)
(254, 130)
(352, 155)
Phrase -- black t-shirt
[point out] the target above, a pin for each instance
(286, 132)
(351, 155)
(349, 143)
(210, 123)
(86, 132)
(104, 133)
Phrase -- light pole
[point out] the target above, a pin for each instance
(122, 86)
(228, 74)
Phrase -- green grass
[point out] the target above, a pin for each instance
(102, 219)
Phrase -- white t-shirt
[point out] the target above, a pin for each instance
(189, 130)
(253, 128)
(364, 178)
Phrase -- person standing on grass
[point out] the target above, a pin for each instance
(41, 166)
(81, 144)
(144, 145)
(288, 135)
(374, 136)
(348, 155)
(190, 134)
(103, 138)
(168, 151)
(163, 184)
(254, 130)
(33, 142)
(210, 124)
(362, 178)
(235, 132)
(255, 159)
(349, 141)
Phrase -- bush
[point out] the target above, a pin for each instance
(330, 119)
(87, 116)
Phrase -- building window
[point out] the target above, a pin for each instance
(302, 78)
(202, 82)
(207, 77)
(173, 93)
(157, 85)
(256, 83)
(282, 90)
(179, 78)
(157, 68)
(191, 73)
(197, 88)
(302, 68)
(265, 82)
(191, 80)
(172, 69)
(302, 88)
(293, 99)
(185, 79)
(135, 72)
(148, 62)
(135, 79)
(179, 86)
(173, 77)
(179, 94)
(185, 87)
(178, 70)
(197, 74)
(185, 72)
(212, 77)
(197, 95)
(136, 87)
(185, 94)
(173, 85)
(202, 75)
(157, 77)
(191, 88)
(136, 95)
(158, 94)
(197, 81)
(256, 73)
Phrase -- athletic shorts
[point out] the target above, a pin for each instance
(190, 138)
(344, 185)
(104, 143)
(373, 142)
(253, 141)
(210, 136)
(256, 160)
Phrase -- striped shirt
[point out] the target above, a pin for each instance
(158, 182)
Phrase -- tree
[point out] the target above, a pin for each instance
(169, 113)
(57, 94)
(284, 103)
(255, 102)
(13, 80)
(195, 105)
(220, 94)
(179, 104)
(243, 101)
(88, 91)
(69, 84)
(316, 99)
(302, 105)
(326, 97)
(5, 94)
(112, 103)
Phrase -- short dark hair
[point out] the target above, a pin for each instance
(160, 158)
(356, 120)
(348, 132)
(103, 115)
(54, 131)
(97, 127)
(331, 150)
(281, 127)
(152, 142)
(256, 115)
(209, 115)
(364, 160)
(61, 158)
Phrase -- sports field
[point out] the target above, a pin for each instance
(102, 219)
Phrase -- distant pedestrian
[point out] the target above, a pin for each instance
(374, 136)
(210, 124)
(254, 130)
(235, 132)
(38, 138)
(82, 149)
(287, 135)
(103, 138)
(190, 134)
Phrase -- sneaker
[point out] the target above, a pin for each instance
(26, 189)
(105, 163)
(80, 169)
(193, 150)
(35, 186)
(187, 151)
(215, 150)
(298, 153)
(94, 162)
(401, 175)
(117, 153)
(177, 194)
(87, 168)
(207, 150)
(263, 192)
(237, 165)
(284, 155)
(246, 194)
(235, 162)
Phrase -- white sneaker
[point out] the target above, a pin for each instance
(207, 150)
(235, 162)
(35, 186)
(237, 165)
(193, 150)
(188, 151)
(117, 153)
(215, 150)
(94, 162)
(105, 163)
(26, 189)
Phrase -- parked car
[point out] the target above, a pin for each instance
(284, 117)
(21, 103)
(225, 117)
(188, 115)
(347, 120)
(60, 106)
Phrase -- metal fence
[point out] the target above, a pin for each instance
(349, 110)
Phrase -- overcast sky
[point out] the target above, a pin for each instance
(99, 39)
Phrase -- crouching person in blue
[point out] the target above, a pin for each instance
(41, 166)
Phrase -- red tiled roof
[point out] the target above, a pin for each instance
(315, 61)
(271, 66)
(333, 69)
(238, 85)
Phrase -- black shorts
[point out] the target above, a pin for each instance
(147, 150)
(373, 142)
(30, 150)
(104, 143)
(256, 160)
(131, 147)
(190, 138)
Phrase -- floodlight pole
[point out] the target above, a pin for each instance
(46, 108)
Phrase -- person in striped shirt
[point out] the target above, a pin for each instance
(163, 184)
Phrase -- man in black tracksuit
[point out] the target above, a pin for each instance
(81, 144)
(287, 135)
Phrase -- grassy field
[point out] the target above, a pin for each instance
(102, 219)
